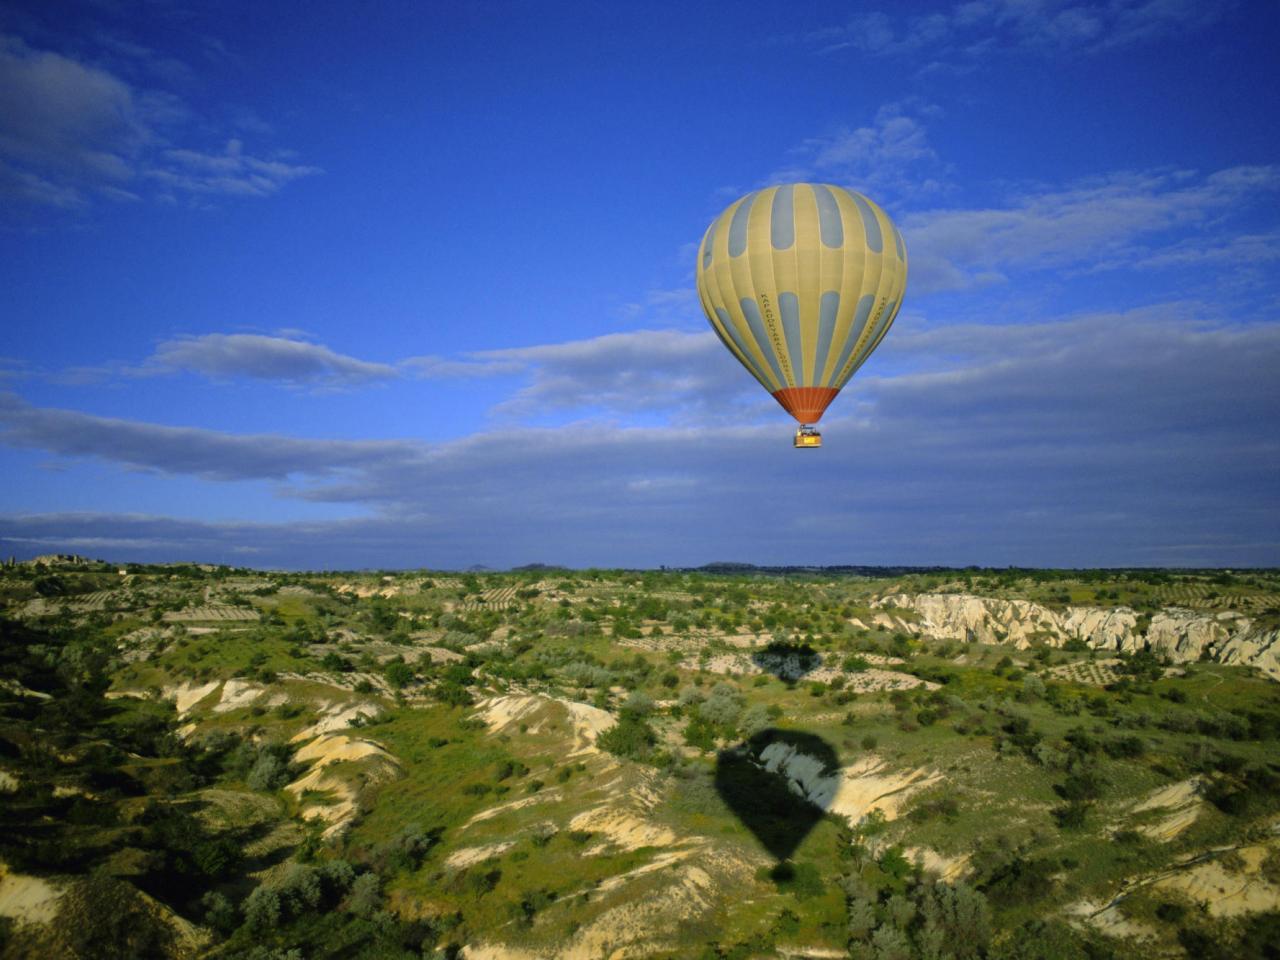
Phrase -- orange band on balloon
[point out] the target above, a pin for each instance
(806, 404)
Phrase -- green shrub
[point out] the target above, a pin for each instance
(631, 737)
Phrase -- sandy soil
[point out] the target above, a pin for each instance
(336, 717)
(336, 748)
(659, 862)
(867, 784)
(500, 712)
(1224, 892)
(1109, 919)
(340, 807)
(469, 856)
(237, 694)
(635, 921)
(946, 868)
(546, 796)
(1183, 803)
(27, 899)
(621, 828)
(588, 722)
(496, 951)
(441, 655)
(863, 681)
(187, 695)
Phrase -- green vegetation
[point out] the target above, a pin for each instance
(214, 762)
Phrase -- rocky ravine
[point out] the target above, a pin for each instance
(1181, 635)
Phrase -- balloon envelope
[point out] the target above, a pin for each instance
(801, 283)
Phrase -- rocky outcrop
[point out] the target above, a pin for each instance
(1181, 635)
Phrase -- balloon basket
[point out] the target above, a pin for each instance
(807, 438)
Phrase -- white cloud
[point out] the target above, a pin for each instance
(191, 451)
(72, 132)
(230, 172)
(666, 370)
(1105, 439)
(975, 28)
(298, 362)
(889, 159)
(1101, 223)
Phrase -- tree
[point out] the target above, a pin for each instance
(630, 737)
(219, 913)
(269, 773)
(638, 703)
(754, 719)
(365, 898)
(262, 909)
(861, 915)
(398, 674)
(957, 922)
(723, 707)
(890, 943)
(102, 918)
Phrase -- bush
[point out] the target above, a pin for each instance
(103, 918)
(1054, 940)
(1071, 816)
(331, 661)
(690, 696)
(453, 695)
(698, 733)
(754, 719)
(219, 913)
(1083, 783)
(269, 773)
(637, 703)
(1126, 747)
(405, 851)
(365, 898)
(262, 910)
(723, 707)
(631, 737)
(398, 674)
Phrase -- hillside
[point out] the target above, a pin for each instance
(200, 761)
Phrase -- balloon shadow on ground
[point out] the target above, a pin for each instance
(765, 800)
(787, 660)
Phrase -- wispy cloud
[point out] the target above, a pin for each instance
(974, 28)
(281, 359)
(644, 370)
(1123, 220)
(230, 172)
(1117, 438)
(72, 132)
(189, 451)
(888, 159)
(622, 373)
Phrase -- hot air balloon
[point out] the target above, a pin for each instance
(801, 283)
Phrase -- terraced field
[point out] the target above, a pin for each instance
(501, 598)
(1205, 596)
(213, 613)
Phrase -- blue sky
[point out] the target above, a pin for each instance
(334, 285)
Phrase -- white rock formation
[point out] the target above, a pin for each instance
(1181, 635)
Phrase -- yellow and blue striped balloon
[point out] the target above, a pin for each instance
(801, 283)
